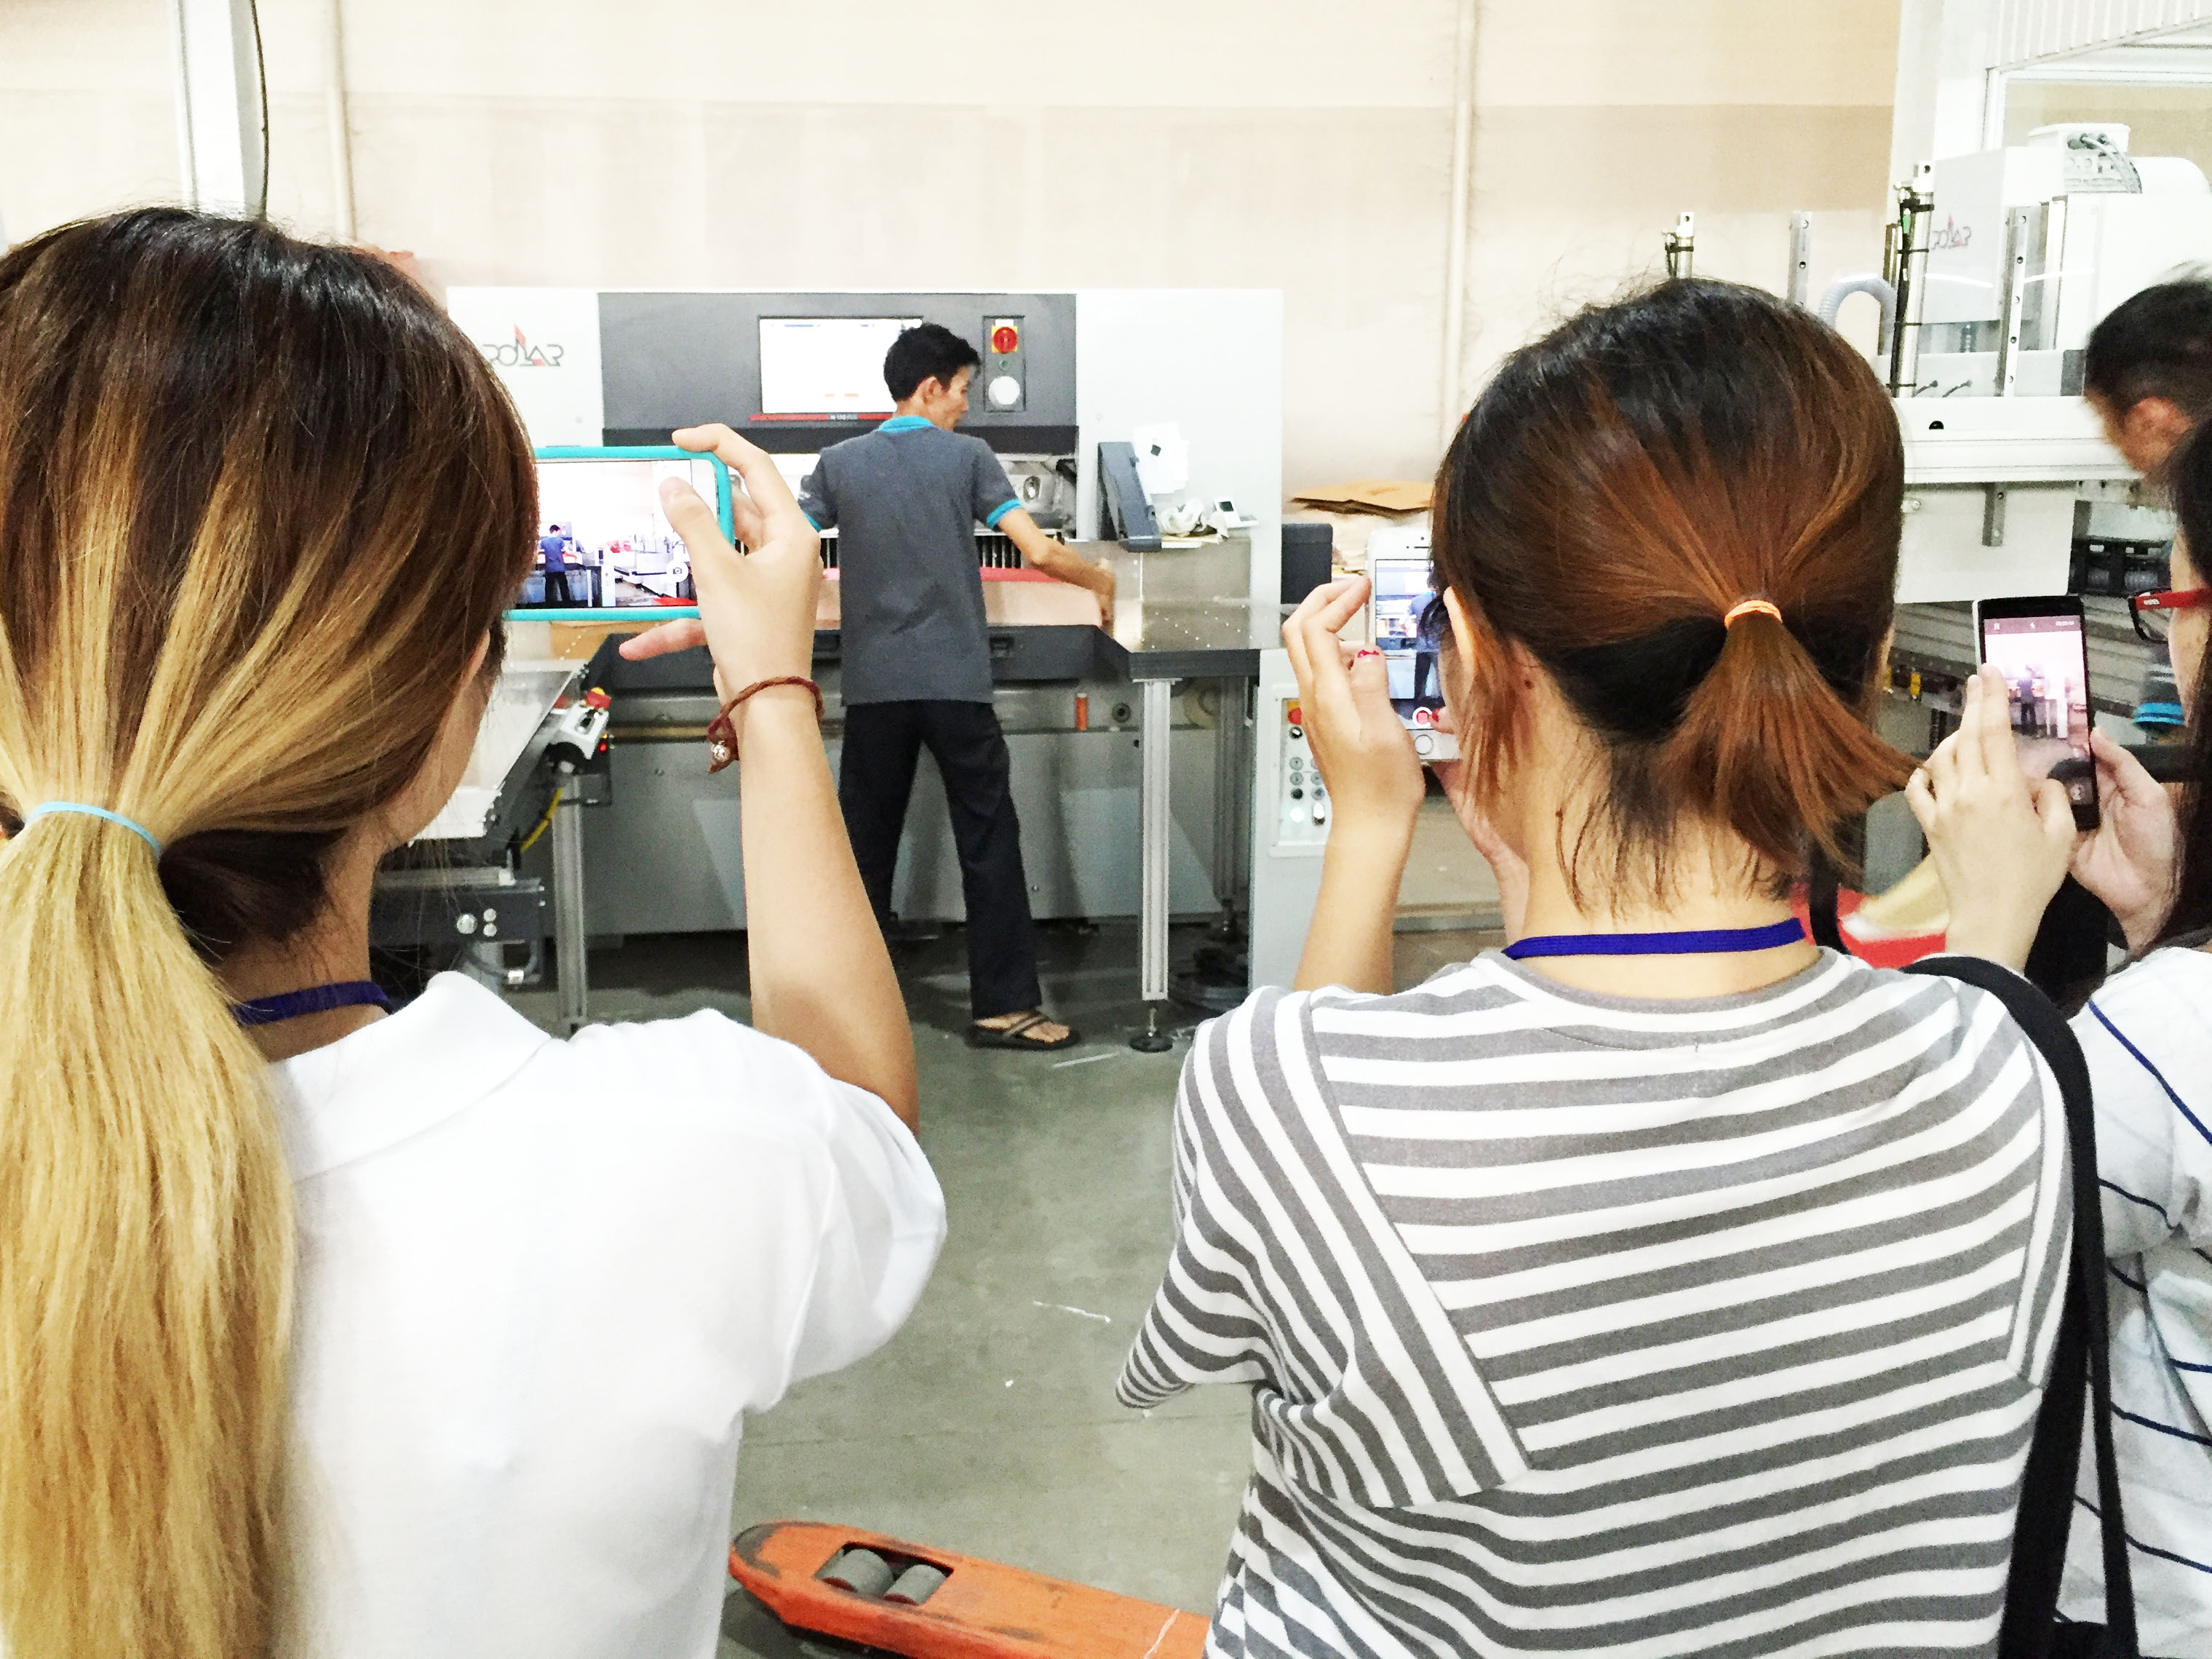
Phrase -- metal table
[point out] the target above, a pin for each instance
(1179, 614)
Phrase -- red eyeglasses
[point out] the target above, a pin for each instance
(2150, 611)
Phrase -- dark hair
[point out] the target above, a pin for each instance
(2189, 476)
(2156, 344)
(279, 333)
(1620, 486)
(927, 351)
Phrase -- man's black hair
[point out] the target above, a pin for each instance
(928, 351)
(2157, 345)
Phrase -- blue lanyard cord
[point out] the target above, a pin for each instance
(315, 999)
(1693, 942)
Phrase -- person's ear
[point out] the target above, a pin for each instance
(2155, 427)
(1462, 627)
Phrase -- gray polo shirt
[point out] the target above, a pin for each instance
(905, 500)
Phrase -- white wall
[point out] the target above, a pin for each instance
(1298, 144)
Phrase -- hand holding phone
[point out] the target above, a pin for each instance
(1406, 626)
(757, 609)
(2000, 840)
(2040, 647)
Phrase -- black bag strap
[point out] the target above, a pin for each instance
(2083, 1356)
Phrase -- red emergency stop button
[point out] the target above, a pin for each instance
(1006, 338)
(596, 698)
(1296, 717)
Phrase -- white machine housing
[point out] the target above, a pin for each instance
(1290, 825)
(2032, 246)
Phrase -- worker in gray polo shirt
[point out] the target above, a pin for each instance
(916, 659)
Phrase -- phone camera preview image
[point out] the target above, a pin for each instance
(1406, 621)
(2045, 662)
(602, 541)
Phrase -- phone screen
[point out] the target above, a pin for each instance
(602, 540)
(2044, 659)
(1398, 609)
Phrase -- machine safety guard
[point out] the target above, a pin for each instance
(901, 1598)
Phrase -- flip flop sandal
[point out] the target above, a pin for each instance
(1009, 1036)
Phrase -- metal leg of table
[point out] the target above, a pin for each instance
(572, 966)
(1153, 729)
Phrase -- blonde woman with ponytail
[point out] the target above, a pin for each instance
(350, 1333)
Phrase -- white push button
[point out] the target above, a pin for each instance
(1005, 391)
(1424, 744)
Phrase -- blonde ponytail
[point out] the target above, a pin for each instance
(146, 1274)
(260, 503)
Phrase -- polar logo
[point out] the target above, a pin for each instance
(1951, 237)
(520, 352)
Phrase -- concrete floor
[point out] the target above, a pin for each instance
(989, 1424)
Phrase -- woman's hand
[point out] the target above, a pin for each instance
(2129, 859)
(1374, 788)
(756, 609)
(2000, 840)
(1366, 755)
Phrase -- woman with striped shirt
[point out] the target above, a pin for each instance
(1664, 1286)
(2147, 1038)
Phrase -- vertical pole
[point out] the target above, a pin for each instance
(341, 131)
(568, 937)
(1916, 202)
(219, 97)
(1231, 776)
(1463, 188)
(2012, 299)
(1800, 259)
(1154, 822)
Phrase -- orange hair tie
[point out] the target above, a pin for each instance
(1748, 607)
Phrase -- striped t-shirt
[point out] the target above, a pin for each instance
(2147, 1036)
(1577, 1323)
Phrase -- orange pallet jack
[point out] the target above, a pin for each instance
(838, 1590)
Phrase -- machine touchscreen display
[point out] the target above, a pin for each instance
(1398, 604)
(2038, 646)
(602, 541)
(817, 368)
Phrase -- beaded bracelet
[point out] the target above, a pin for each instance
(722, 736)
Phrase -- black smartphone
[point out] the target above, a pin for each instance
(2038, 646)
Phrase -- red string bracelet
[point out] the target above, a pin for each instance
(722, 736)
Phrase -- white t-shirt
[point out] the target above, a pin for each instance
(2147, 1035)
(541, 1283)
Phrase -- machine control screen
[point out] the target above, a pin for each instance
(2044, 657)
(602, 538)
(817, 368)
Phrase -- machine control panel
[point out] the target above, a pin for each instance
(1301, 804)
(1004, 379)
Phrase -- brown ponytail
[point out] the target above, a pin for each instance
(260, 503)
(1621, 488)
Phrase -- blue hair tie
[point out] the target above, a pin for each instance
(45, 808)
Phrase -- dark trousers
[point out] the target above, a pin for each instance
(561, 577)
(883, 740)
